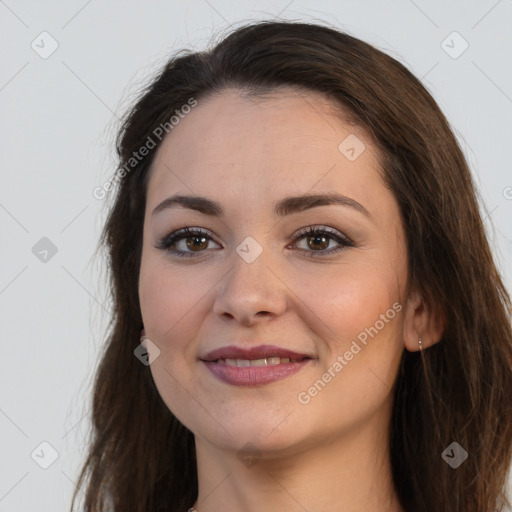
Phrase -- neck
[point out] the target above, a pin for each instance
(351, 473)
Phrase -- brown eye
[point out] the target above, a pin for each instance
(318, 240)
(196, 241)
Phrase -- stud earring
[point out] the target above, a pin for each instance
(419, 343)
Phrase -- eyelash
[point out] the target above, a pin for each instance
(168, 240)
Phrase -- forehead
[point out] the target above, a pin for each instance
(285, 140)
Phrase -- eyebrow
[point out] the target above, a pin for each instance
(286, 206)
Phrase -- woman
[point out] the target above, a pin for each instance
(307, 312)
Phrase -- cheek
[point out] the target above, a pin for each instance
(169, 304)
(363, 311)
(168, 300)
(348, 299)
(173, 306)
(362, 350)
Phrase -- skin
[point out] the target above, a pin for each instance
(247, 154)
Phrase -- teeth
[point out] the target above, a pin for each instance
(268, 361)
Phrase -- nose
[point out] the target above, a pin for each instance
(251, 292)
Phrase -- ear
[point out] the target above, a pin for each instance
(423, 322)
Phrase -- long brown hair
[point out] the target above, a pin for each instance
(141, 458)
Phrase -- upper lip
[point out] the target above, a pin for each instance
(258, 352)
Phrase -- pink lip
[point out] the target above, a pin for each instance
(253, 375)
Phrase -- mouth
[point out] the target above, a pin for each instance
(260, 354)
(266, 361)
(255, 366)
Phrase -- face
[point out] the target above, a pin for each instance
(251, 275)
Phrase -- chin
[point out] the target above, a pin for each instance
(254, 432)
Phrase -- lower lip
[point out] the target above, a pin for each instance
(254, 375)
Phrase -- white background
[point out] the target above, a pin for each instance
(58, 117)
